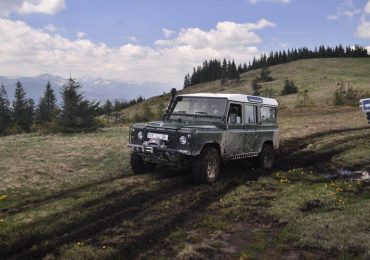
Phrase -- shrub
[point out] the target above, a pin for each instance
(289, 88)
(348, 95)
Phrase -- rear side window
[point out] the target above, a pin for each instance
(268, 115)
(250, 115)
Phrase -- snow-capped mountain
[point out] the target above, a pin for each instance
(98, 89)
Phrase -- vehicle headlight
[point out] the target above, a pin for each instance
(140, 135)
(183, 140)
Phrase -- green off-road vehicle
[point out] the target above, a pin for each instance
(200, 131)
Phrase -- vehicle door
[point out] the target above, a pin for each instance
(250, 126)
(235, 135)
(267, 125)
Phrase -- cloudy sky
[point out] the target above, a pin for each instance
(161, 40)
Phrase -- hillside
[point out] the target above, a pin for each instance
(319, 76)
(74, 196)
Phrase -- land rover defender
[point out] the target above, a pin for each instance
(200, 131)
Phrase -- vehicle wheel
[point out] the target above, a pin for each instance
(138, 165)
(206, 166)
(266, 157)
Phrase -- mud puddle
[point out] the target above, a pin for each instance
(351, 175)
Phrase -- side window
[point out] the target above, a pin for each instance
(235, 114)
(268, 115)
(250, 115)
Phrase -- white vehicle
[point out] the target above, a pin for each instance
(365, 107)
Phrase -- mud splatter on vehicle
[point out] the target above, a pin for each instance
(201, 131)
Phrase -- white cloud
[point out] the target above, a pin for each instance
(81, 35)
(367, 7)
(280, 44)
(332, 17)
(363, 29)
(346, 8)
(272, 1)
(26, 51)
(226, 35)
(50, 28)
(31, 6)
(167, 33)
(132, 39)
(351, 13)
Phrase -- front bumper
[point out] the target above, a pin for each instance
(161, 154)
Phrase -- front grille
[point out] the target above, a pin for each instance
(172, 140)
(172, 137)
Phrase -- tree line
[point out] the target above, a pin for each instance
(217, 70)
(212, 70)
(112, 109)
(75, 113)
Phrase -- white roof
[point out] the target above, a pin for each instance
(234, 97)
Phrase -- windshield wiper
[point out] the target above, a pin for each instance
(201, 112)
(180, 112)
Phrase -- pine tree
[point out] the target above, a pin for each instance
(108, 109)
(256, 88)
(30, 113)
(289, 88)
(117, 107)
(5, 113)
(77, 114)
(22, 109)
(265, 75)
(46, 111)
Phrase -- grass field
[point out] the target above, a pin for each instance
(75, 197)
(319, 76)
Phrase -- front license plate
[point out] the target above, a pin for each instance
(163, 137)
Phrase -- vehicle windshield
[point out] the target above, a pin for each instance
(199, 109)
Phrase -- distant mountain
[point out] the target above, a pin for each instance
(98, 89)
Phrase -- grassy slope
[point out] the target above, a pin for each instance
(319, 76)
(74, 196)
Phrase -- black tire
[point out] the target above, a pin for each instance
(266, 157)
(138, 166)
(206, 166)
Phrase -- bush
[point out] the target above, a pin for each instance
(303, 99)
(289, 88)
(256, 87)
(265, 76)
(348, 95)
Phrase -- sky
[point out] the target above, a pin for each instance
(162, 40)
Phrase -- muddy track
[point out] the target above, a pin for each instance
(291, 155)
(107, 212)
(99, 211)
(133, 202)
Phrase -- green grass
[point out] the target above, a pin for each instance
(90, 205)
(338, 224)
(75, 197)
(319, 76)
